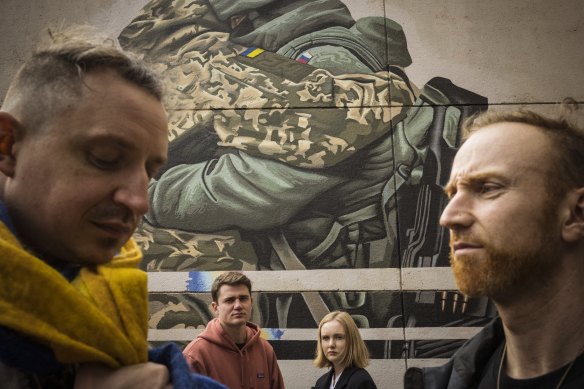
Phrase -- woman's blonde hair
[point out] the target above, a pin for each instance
(356, 353)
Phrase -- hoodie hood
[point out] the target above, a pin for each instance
(215, 333)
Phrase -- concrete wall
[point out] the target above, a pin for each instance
(520, 52)
(525, 52)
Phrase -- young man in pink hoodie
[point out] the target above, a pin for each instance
(230, 350)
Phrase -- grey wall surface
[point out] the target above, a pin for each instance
(524, 51)
(23, 22)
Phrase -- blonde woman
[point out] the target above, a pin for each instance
(340, 346)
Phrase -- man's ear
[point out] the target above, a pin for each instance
(573, 226)
(214, 307)
(8, 127)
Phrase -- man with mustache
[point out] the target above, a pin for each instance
(82, 131)
(516, 220)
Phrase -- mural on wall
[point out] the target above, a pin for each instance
(298, 142)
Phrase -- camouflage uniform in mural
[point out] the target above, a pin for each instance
(303, 149)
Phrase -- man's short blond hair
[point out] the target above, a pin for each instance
(51, 81)
(566, 158)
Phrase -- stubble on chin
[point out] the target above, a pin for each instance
(499, 274)
(480, 275)
(516, 263)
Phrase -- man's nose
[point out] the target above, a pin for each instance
(457, 213)
(133, 194)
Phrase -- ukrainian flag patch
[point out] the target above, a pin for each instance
(252, 52)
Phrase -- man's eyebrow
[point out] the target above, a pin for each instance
(124, 144)
(158, 161)
(111, 138)
(470, 180)
(450, 188)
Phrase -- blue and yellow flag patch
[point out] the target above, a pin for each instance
(252, 52)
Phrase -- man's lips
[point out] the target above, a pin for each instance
(458, 247)
(118, 229)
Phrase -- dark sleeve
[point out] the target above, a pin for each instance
(361, 380)
(321, 382)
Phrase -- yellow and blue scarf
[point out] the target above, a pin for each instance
(100, 316)
(48, 322)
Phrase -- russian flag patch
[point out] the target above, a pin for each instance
(304, 57)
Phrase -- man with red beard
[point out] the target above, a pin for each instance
(516, 221)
